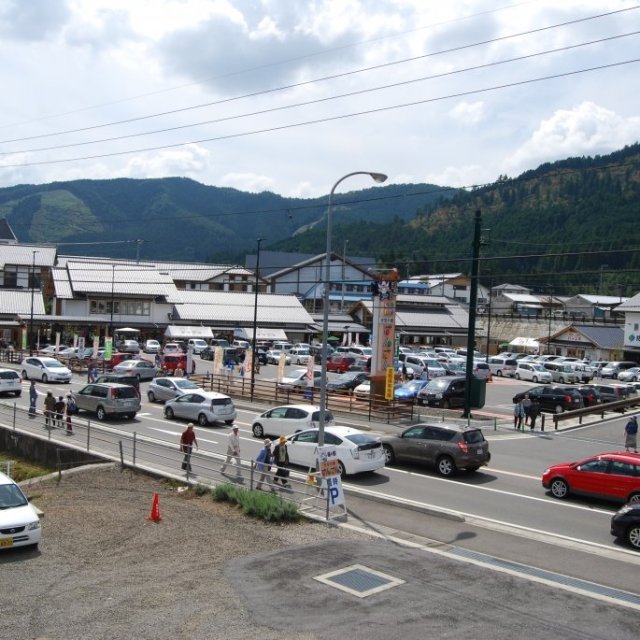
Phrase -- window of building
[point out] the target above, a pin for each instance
(10, 277)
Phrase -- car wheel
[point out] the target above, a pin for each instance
(258, 431)
(634, 498)
(499, 374)
(24, 375)
(534, 379)
(228, 422)
(168, 413)
(138, 376)
(101, 413)
(559, 488)
(517, 376)
(561, 380)
(446, 466)
(341, 470)
(634, 379)
(151, 396)
(18, 394)
(389, 456)
(633, 536)
(559, 408)
(44, 377)
(446, 404)
(202, 420)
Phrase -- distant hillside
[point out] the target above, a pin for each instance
(180, 219)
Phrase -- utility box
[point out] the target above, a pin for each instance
(478, 393)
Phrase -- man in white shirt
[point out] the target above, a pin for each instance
(233, 451)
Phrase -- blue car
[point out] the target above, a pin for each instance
(409, 390)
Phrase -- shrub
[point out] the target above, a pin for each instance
(256, 504)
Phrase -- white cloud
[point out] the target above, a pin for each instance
(587, 129)
(192, 160)
(246, 182)
(468, 113)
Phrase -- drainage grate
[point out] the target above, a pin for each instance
(359, 580)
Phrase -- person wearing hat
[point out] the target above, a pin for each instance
(49, 404)
(281, 460)
(631, 434)
(187, 442)
(263, 464)
(70, 409)
(233, 451)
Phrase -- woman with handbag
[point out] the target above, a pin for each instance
(281, 460)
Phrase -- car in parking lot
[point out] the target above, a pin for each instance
(445, 392)
(409, 390)
(173, 361)
(447, 447)
(363, 390)
(273, 356)
(297, 380)
(172, 347)
(143, 369)
(562, 373)
(288, 419)
(10, 382)
(614, 368)
(590, 395)
(107, 399)
(132, 381)
(482, 371)
(203, 407)
(503, 366)
(357, 451)
(196, 345)
(44, 369)
(629, 375)
(612, 475)
(532, 372)
(625, 524)
(151, 346)
(346, 382)
(117, 358)
(300, 355)
(19, 521)
(167, 388)
(340, 362)
(611, 392)
(553, 398)
(128, 346)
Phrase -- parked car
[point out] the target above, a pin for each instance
(219, 342)
(409, 390)
(10, 382)
(300, 355)
(19, 521)
(614, 476)
(503, 366)
(363, 390)
(611, 392)
(273, 356)
(532, 372)
(447, 447)
(132, 381)
(203, 407)
(340, 362)
(434, 368)
(172, 361)
(117, 358)
(197, 345)
(625, 524)
(482, 371)
(45, 369)
(361, 364)
(445, 392)
(590, 395)
(612, 369)
(583, 372)
(553, 398)
(144, 369)
(561, 373)
(356, 450)
(128, 346)
(360, 350)
(629, 375)
(107, 399)
(168, 388)
(288, 419)
(346, 382)
(151, 346)
(172, 347)
(297, 380)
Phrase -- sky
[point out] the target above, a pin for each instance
(288, 96)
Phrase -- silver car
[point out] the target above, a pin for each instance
(163, 389)
(203, 407)
(142, 369)
(108, 399)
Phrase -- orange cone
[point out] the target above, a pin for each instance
(155, 509)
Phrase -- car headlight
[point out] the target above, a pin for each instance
(546, 471)
(33, 526)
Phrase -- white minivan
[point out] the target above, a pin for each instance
(19, 521)
(197, 344)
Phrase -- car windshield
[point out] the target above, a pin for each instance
(538, 367)
(51, 363)
(11, 496)
(437, 385)
(345, 377)
(413, 385)
(183, 383)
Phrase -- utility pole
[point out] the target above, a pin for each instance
(473, 301)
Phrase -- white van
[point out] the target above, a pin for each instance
(282, 346)
(19, 522)
(197, 344)
(240, 344)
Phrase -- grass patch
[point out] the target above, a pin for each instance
(23, 469)
(266, 506)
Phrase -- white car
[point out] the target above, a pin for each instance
(297, 379)
(10, 382)
(203, 407)
(630, 375)
(273, 357)
(171, 348)
(45, 369)
(363, 390)
(19, 522)
(357, 451)
(197, 344)
(533, 372)
(299, 355)
(288, 419)
(151, 346)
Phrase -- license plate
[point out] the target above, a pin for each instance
(478, 450)
(6, 542)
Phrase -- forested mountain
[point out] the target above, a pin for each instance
(571, 225)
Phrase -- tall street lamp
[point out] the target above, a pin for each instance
(378, 177)
(255, 319)
(33, 290)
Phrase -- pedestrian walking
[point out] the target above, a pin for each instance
(49, 405)
(526, 407)
(70, 409)
(233, 451)
(631, 434)
(178, 372)
(281, 460)
(33, 399)
(59, 408)
(263, 465)
(187, 442)
(518, 414)
(534, 412)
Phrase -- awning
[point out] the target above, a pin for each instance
(262, 333)
(126, 330)
(177, 332)
(527, 343)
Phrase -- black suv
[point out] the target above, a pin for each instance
(445, 392)
(554, 398)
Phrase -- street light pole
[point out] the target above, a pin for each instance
(255, 318)
(378, 177)
(549, 330)
(33, 290)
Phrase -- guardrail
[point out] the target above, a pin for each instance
(617, 405)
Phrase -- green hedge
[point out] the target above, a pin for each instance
(257, 504)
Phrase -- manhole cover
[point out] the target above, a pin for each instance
(359, 580)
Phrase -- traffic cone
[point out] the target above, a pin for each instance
(155, 509)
